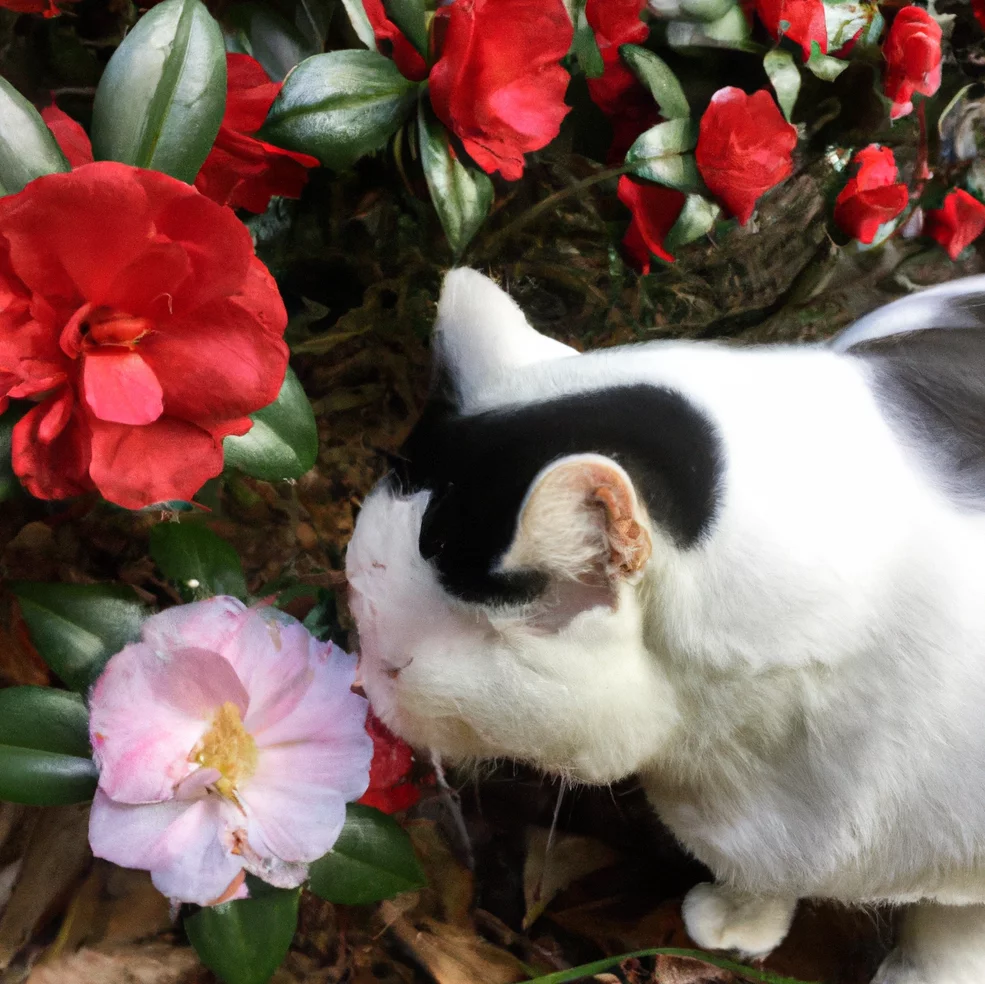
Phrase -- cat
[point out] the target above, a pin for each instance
(754, 577)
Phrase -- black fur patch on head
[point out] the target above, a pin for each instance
(931, 386)
(480, 467)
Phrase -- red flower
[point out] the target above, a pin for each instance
(389, 789)
(744, 148)
(617, 91)
(72, 139)
(978, 9)
(804, 20)
(394, 43)
(47, 7)
(873, 196)
(135, 315)
(913, 58)
(241, 170)
(497, 83)
(655, 209)
(960, 222)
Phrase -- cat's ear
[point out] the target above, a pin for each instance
(482, 334)
(582, 520)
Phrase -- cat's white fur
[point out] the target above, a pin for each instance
(802, 693)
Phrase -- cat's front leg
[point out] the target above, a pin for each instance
(938, 944)
(718, 917)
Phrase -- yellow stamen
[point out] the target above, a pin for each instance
(228, 748)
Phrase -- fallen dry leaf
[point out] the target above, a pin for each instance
(149, 963)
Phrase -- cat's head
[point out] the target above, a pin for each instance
(502, 576)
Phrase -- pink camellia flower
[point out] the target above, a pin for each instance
(228, 741)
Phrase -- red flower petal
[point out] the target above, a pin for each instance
(137, 466)
(72, 139)
(393, 42)
(913, 58)
(872, 197)
(120, 387)
(50, 449)
(745, 147)
(655, 209)
(803, 20)
(959, 223)
(389, 789)
(498, 84)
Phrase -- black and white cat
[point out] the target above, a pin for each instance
(753, 576)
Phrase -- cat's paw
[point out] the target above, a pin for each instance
(720, 918)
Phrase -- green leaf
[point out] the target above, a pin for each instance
(462, 194)
(823, 66)
(697, 217)
(262, 33)
(656, 75)
(201, 563)
(161, 99)
(340, 106)
(244, 942)
(785, 78)
(313, 19)
(600, 966)
(77, 627)
(660, 155)
(373, 859)
(360, 22)
(584, 46)
(27, 148)
(283, 441)
(44, 719)
(706, 10)
(40, 778)
(731, 30)
(409, 16)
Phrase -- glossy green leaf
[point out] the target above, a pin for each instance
(784, 75)
(824, 66)
(360, 22)
(706, 10)
(44, 719)
(462, 194)
(410, 17)
(161, 99)
(40, 778)
(77, 627)
(340, 106)
(696, 219)
(283, 441)
(741, 971)
(585, 46)
(261, 32)
(27, 148)
(313, 19)
(662, 154)
(198, 561)
(373, 859)
(244, 942)
(731, 30)
(656, 75)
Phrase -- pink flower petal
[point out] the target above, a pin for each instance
(147, 713)
(185, 845)
(205, 624)
(120, 387)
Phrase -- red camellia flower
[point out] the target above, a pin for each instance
(804, 21)
(72, 139)
(978, 9)
(389, 788)
(744, 148)
(655, 209)
(134, 314)
(960, 222)
(497, 83)
(617, 91)
(47, 7)
(913, 58)
(873, 196)
(241, 170)
(393, 42)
